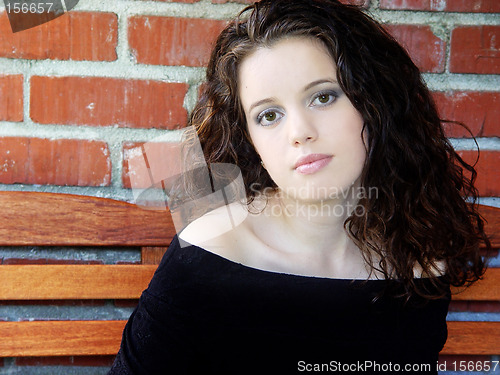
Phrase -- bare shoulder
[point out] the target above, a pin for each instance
(218, 231)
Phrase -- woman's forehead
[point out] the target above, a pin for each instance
(291, 63)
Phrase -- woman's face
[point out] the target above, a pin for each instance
(305, 129)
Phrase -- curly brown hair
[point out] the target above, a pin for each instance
(426, 209)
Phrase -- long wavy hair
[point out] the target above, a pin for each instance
(426, 209)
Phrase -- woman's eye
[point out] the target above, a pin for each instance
(268, 118)
(324, 98)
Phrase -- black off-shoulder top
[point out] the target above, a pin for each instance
(205, 314)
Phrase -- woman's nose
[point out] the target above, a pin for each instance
(301, 129)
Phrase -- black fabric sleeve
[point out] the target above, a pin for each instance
(159, 337)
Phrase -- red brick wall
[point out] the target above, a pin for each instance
(116, 71)
(76, 91)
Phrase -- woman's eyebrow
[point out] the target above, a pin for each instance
(260, 102)
(319, 82)
(307, 87)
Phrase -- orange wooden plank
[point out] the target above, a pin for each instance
(50, 219)
(35, 218)
(53, 338)
(38, 282)
(492, 216)
(475, 338)
(152, 255)
(60, 338)
(487, 289)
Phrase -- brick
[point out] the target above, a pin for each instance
(101, 101)
(480, 111)
(163, 160)
(453, 362)
(11, 97)
(475, 49)
(73, 36)
(104, 361)
(172, 41)
(473, 6)
(54, 162)
(487, 181)
(426, 49)
(201, 88)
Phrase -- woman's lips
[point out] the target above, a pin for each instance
(312, 163)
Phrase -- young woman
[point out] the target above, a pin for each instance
(357, 221)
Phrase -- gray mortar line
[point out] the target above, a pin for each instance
(202, 9)
(105, 69)
(97, 191)
(448, 19)
(485, 143)
(462, 82)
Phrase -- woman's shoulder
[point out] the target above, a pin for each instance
(198, 254)
(229, 232)
(223, 231)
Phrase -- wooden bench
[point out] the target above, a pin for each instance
(48, 219)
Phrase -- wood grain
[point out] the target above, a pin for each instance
(68, 338)
(487, 289)
(47, 282)
(152, 254)
(473, 338)
(50, 219)
(492, 227)
(38, 282)
(60, 338)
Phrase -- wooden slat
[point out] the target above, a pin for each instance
(474, 338)
(52, 338)
(32, 282)
(39, 282)
(60, 338)
(152, 255)
(487, 289)
(492, 228)
(50, 219)
(46, 219)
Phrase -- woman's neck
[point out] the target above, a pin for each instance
(316, 226)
